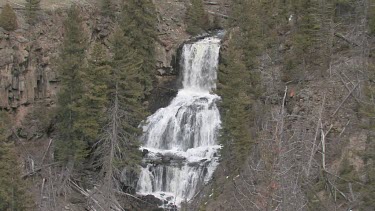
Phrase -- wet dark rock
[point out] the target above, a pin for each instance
(129, 179)
(152, 200)
(144, 152)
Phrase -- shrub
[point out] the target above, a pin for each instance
(8, 18)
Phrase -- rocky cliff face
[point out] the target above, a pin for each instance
(27, 55)
(27, 72)
(29, 80)
(319, 106)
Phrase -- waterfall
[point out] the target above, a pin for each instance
(180, 141)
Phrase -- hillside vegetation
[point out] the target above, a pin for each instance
(296, 80)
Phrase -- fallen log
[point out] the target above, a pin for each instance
(345, 39)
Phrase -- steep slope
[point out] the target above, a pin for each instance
(310, 134)
(29, 83)
(310, 129)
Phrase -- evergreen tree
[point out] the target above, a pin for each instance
(107, 8)
(368, 190)
(32, 8)
(368, 111)
(196, 18)
(234, 83)
(12, 188)
(138, 22)
(311, 37)
(71, 145)
(8, 18)
(4, 126)
(127, 87)
(216, 23)
(307, 25)
(94, 99)
(238, 82)
(119, 148)
(371, 18)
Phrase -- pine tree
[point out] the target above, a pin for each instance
(367, 109)
(127, 87)
(234, 84)
(238, 82)
(368, 190)
(119, 148)
(371, 18)
(12, 188)
(4, 126)
(312, 39)
(94, 99)
(138, 22)
(8, 18)
(107, 8)
(32, 8)
(71, 146)
(216, 23)
(196, 18)
(307, 25)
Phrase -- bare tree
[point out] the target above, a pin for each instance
(109, 149)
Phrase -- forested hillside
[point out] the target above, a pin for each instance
(295, 80)
(79, 78)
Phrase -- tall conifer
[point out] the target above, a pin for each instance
(238, 80)
(127, 87)
(118, 148)
(71, 146)
(107, 8)
(138, 22)
(12, 188)
(32, 8)
(92, 105)
(234, 84)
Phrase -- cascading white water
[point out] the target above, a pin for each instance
(180, 141)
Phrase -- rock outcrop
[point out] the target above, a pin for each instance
(29, 81)
(26, 70)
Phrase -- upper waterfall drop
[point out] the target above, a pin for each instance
(200, 62)
(180, 140)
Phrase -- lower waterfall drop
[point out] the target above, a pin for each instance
(180, 140)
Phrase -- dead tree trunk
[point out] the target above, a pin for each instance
(108, 151)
